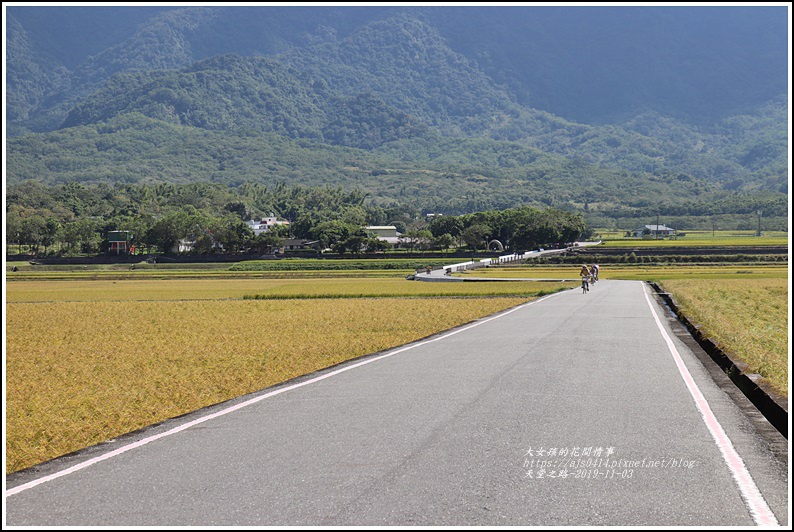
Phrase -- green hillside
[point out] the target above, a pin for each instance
(423, 107)
(433, 173)
(396, 79)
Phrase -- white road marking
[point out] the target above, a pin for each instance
(759, 510)
(150, 439)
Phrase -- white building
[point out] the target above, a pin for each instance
(386, 233)
(183, 246)
(264, 225)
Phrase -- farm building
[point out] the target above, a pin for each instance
(387, 233)
(120, 242)
(654, 231)
(294, 244)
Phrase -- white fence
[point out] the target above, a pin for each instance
(472, 264)
(513, 257)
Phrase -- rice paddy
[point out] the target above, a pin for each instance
(637, 272)
(747, 317)
(88, 360)
(699, 238)
(295, 288)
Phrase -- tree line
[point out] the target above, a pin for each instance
(74, 219)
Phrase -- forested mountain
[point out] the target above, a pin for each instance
(449, 108)
(587, 64)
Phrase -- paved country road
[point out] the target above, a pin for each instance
(576, 410)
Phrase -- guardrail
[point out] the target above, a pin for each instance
(474, 264)
(513, 257)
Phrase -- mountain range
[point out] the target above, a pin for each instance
(432, 105)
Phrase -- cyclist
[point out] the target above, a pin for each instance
(585, 273)
(594, 272)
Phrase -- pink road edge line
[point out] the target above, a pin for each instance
(759, 509)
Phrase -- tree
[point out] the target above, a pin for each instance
(265, 242)
(474, 235)
(424, 239)
(355, 243)
(304, 225)
(166, 232)
(280, 230)
(70, 235)
(332, 233)
(353, 215)
(451, 225)
(204, 244)
(443, 241)
(138, 226)
(13, 228)
(238, 208)
(82, 233)
(33, 230)
(416, 237)
(548, 227)
(231, 233)
(49, 235)
(376, 244)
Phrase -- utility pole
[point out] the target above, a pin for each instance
(656, 236)
(758, 233)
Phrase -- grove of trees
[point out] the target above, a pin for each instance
(75, 219)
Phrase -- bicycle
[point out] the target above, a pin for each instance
(585, 285)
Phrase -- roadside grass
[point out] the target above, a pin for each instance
(747, 318)
(78, 373)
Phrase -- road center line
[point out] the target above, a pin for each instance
(759, 510)
(180, 428)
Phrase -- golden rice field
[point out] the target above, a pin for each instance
(699, 239)
(190, 289)
(84, 370)
(746, 317)
(50, 273)
(90, 360)
(636, 272)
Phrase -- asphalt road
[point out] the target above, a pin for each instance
(455, 430)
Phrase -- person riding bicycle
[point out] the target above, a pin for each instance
(585, 273)
(594, 272)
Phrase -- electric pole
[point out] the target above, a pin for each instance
(656, 236)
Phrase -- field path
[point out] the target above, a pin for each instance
(576, 409)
